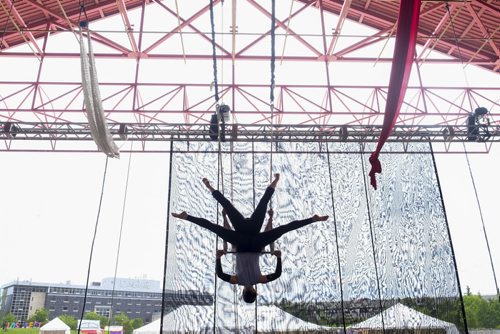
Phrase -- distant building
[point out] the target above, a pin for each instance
(137, 298)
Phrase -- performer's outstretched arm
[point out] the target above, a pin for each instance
(218, 267)
(277, 272)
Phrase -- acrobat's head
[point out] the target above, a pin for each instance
(249, 294)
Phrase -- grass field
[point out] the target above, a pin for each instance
(25, 331)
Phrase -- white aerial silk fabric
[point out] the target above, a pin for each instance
(93, 104)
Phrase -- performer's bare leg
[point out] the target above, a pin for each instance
(269, 227)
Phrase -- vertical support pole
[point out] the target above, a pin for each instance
(372, 241)
(169, 196)
(462, 309)
(336, 237)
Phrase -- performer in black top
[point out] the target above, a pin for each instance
(247, 238)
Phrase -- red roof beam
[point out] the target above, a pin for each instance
(483, 29)
(194, 28)
(438, 27)
(179, 28)
(48, 11)
(283, 26)
(123, 12)
(267, 33)
(494, 10)
(361, 44)
(342, 17)
(20, 20)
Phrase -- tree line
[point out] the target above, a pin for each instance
(42, 316)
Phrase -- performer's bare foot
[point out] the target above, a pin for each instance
(317, 218)
(182, 215)
(275, 181)
(207, 184)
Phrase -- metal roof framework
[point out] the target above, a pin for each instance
(156, 36)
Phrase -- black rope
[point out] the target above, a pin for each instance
(454, 31)
(120, 238)
(372, 240)
(451, 242)
(6, 23)
(219, 177)
(273, 49)
(214, 55)
(336, 236)
(468, 163)
(169, 196)
(84, 12)
(482, 222)
(93, 243)
(253, 205)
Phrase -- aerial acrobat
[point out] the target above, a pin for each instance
(247, 239)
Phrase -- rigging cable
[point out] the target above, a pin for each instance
(336, 236)
(120, 236)
(214, 54)
(169, 196)
(220, 171)
(462, 305)
(93, 243)
(468, 163)
(271, 92)
(271, 105)
(482, 223)
(372, 239)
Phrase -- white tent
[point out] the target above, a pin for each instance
(198, 319)
(55, 326)
(400, 316)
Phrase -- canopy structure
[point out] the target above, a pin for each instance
(196, 319)
(154, 61)
(401, 317)
(55, 326)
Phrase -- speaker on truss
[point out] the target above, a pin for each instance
(448, 133)
(343, 133)
(10, 129)
(234, 132)
(123, 131)
(213, 131)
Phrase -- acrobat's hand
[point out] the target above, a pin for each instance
(317, 218)
(182, 215)
(224, 213)
(276, 253)
(219, 253)
(270, 212)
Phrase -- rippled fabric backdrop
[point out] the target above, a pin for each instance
(379, 248)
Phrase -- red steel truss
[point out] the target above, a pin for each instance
(465, 30)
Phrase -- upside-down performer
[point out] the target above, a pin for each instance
(248, 239)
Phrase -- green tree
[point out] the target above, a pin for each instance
(91, 316)
(69, 320)
(103, 321)
(123, 320)
(488, 315)
(120, 319)
(137, 322)
(40, 315)
(472, 304)
(9, 317)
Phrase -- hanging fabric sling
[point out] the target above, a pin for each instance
(92, 98)
(404, 49)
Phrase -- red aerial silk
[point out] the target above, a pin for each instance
(404, 50)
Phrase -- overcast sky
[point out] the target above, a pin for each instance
(48, 201)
